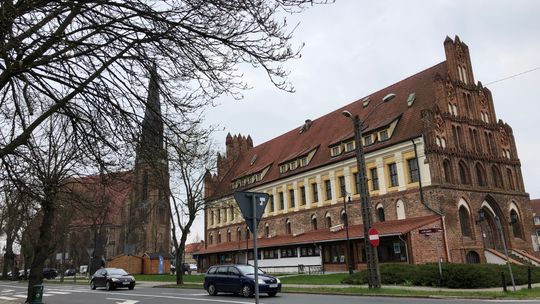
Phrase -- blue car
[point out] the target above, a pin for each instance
(239, 279)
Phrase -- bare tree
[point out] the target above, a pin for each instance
(42, 171)
(87, 60)
(190, 161)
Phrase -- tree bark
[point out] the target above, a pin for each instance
(180, 257)
(43, 244)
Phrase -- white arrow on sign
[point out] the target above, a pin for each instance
(125, 301)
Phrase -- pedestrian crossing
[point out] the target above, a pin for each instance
(7, 294)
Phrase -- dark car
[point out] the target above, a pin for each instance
(69, 272)
(50, 273)
(186, 268)
(112, 278)
(239, 279)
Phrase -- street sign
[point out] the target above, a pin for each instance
(373, 237)
(429, 230)
(245, 202)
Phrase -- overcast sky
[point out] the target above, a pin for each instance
(353, 48)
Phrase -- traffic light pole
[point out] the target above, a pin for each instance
(255, 255)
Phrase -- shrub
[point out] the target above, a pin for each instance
(454, 275)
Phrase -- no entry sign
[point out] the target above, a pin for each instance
(373, 237)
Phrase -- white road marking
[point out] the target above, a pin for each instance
(8, 290)
(20, 296)
(184, 294)
(7, 298)
(58, 292)
(125, 301)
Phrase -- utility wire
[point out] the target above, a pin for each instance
(515, 75)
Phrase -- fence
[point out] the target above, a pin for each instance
(300, 269)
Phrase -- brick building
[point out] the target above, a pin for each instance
(436, 156)
(536, 218)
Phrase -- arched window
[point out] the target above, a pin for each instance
(380, 213)
(516, 224)
(463, 173)
(473, 257)
(247, 233)
(465, 221)
(314, 222)
(480, 175)
(497, 180)
(511, 183)
(267, 230)
(343, 217)
(229, 235)
(288, 229)
(239, 234)
(448, 177)
(212, 216)
(211, 239)
(219, 238)
(400, 210)
(328, 220)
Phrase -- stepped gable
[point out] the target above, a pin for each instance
(324, 131)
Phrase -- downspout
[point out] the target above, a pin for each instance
(423, 201)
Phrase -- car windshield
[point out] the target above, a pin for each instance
(115, 271)
(248, 269)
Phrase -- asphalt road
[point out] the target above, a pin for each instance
(75, 294)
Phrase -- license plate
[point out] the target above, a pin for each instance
(273, 285)
(126, 283)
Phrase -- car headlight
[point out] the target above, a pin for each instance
(278, 281)
(114, 279)
(261, 281)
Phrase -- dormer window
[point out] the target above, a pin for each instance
(383, 135)
(349, 146)
(303, 162)
(368, 140)
(335, 151)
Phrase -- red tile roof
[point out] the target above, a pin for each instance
(193, 247)
(325, 130)
(325, 235)
(100, 195)
(536, 206)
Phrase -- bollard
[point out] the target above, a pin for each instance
(37, 294)
(503, 281)
(529, 281)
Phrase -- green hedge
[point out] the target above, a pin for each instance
(454, 275)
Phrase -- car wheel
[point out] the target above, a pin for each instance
(131, 286)
(92, 285)
(272, 294)
(212, 290)
(246, 291)
(109, 286)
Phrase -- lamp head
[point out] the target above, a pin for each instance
(346, 114)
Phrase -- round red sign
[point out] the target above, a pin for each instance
(373, 237)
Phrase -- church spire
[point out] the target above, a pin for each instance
(151, 141)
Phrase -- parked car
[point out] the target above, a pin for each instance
(70, 272)
(186, 268)
(239, 279)
(193, 267)
(50, 273)
(112, 278)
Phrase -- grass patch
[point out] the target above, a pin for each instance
(168, 278)
(323, 279)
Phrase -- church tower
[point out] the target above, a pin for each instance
(149, 221)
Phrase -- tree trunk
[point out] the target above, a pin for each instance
(9, 258)
(43, 244)
(180, 257)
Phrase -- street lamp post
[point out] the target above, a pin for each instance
(372, 259)
(346, 223)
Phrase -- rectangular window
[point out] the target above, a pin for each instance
(250, 255)
(342, 190)
(307, 251)
(537, 220)
(281, 201)
(271, 202)
(290, 252)
(291, 199)
(392, 169)
(335, 151)
(271, 254)
(414, 175)
(328, 188)
(219, 216)
(356, 183)
(349, 146)
(368, 140)
(537, 232)
(303, 162)
(383, 135)
(315, 192)
(334, 253)
(374, 179)
(303, 195)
